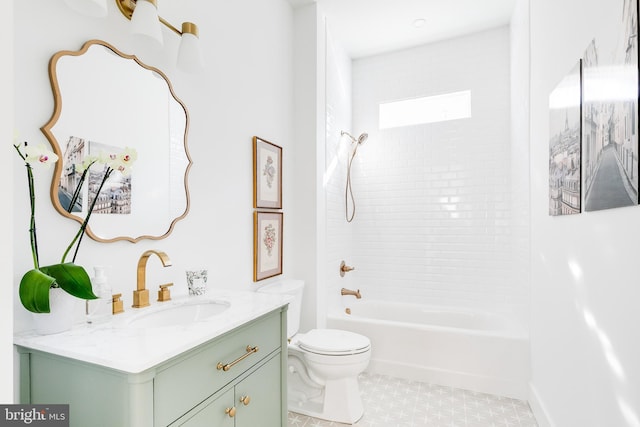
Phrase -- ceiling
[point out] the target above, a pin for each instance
(370, 27)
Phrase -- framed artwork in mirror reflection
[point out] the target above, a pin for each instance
(565, 103)
(267, 244)
(267, 174)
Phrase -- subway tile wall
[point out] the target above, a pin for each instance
(434, 217)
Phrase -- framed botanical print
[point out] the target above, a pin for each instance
(267, 244)
(267, 174)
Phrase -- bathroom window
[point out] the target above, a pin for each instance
(428, 109)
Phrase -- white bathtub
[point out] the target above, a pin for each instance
(465, 349)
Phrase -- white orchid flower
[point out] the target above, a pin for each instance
(39, 155)
(123, 161)
(87, 162)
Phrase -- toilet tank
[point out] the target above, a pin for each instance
(293, 288)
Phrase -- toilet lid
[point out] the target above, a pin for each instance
(333, 342)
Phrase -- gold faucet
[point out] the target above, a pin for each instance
(344, 268)
(141, 294)
(345, 291)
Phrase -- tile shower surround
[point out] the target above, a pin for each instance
(392, 402)
(434, 218)
(437, 216)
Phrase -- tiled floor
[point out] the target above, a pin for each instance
(393, 402)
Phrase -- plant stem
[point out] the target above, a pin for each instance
(80, 234)
(32, 224)
(76, 193)
(32, 200)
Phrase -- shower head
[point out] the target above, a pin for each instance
(346, 136)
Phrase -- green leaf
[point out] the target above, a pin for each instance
(34, 291)
(72, 278)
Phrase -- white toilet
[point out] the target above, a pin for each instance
(324, 364)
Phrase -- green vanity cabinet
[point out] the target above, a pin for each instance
(251, 402)
(237, 379)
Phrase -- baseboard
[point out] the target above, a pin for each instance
(538, 408)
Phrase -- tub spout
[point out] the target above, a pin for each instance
(345, 291)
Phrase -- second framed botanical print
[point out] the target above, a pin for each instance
(267, 244)
(267, 174)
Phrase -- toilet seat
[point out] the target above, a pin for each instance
(333, 342)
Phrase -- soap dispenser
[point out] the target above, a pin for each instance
(100, 310)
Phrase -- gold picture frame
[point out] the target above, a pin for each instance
(267, 244)
(267, 174)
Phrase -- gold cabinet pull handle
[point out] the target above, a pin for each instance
(226, 367)
(245, 400)
(231, 412)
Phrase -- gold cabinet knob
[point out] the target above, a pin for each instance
(245, 400)
(231, 412)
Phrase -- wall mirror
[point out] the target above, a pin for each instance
(107, 99)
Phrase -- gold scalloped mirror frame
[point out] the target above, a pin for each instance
(47, 129)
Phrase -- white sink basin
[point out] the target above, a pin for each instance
(176, 314)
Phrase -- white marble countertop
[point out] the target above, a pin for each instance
(134, 350)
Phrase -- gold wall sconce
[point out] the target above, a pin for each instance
(145, 25)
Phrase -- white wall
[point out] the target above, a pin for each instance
(338, 118)
(585, 292)
(246, 90)
(433, 222)
(519, 161)
(6, 215)
(309, 225)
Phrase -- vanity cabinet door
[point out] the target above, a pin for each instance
(258, 396)
(219, 413)
(192, 378)
(254, 401)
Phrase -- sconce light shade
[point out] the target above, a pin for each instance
(96, 8)
(145, 23)
(189, 54)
